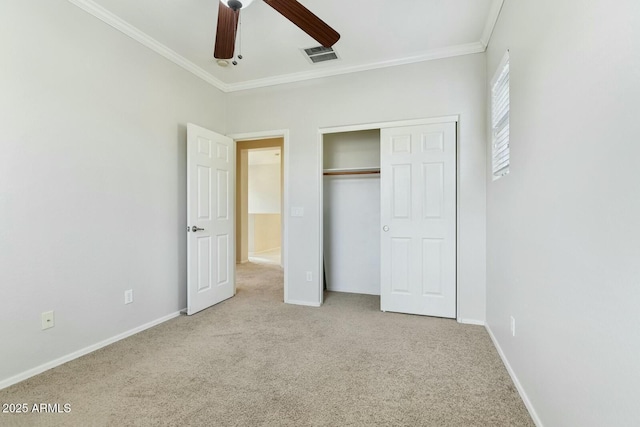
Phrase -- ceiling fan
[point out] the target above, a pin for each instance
(229, 13)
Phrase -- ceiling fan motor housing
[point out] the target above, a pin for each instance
(236, 4)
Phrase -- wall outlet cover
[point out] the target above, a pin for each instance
(48, 320)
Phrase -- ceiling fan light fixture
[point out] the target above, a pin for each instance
(222, 62)
(236, 4)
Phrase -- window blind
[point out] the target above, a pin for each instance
(500, 120)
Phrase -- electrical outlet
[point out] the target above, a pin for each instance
(48, 320)
(309, 276)
(297, 211)
(128, 296)
(513, 326)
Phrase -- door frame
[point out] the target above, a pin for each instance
(269, 134)
(374, 126)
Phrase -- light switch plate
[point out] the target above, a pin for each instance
(297, 211)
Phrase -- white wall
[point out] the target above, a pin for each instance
(352, 233)
(92, 180)
(563, 231)
(429, 89)
(344, 150)
(264, 188)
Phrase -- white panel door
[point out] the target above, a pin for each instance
(210, 218)
(418, 236)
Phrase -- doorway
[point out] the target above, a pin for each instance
(259, 201)
(351, 211)
(264, 205)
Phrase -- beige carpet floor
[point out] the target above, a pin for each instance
(254, 361)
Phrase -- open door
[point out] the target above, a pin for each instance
(210, 218)
(418, 236)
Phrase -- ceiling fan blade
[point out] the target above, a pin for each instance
(306, 21)
(226, 32)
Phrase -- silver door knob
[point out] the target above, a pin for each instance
(385, 228)
(194, 229)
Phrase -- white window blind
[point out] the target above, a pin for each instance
(500, 120)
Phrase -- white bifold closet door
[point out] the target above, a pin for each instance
(418, 216)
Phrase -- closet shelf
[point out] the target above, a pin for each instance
(351, 171)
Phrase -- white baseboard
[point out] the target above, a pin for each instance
(470, 321)
(514, 378)
(264, 251)
(76, 354)
(306, 303)
(354, 291)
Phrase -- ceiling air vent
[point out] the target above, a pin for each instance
(320, 54)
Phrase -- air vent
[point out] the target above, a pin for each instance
(320, 54)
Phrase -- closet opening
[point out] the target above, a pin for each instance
(389, 214)
(351, 211)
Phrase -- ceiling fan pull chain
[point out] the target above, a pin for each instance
(238, 40)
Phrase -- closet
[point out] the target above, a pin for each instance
(390, 214)
(351, 200)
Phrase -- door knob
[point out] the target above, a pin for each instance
(194, 229)
(385, 228)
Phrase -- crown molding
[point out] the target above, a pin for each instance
(448, 52)
(121, 25)
(492, 20)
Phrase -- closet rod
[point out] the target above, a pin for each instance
(362, 172)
